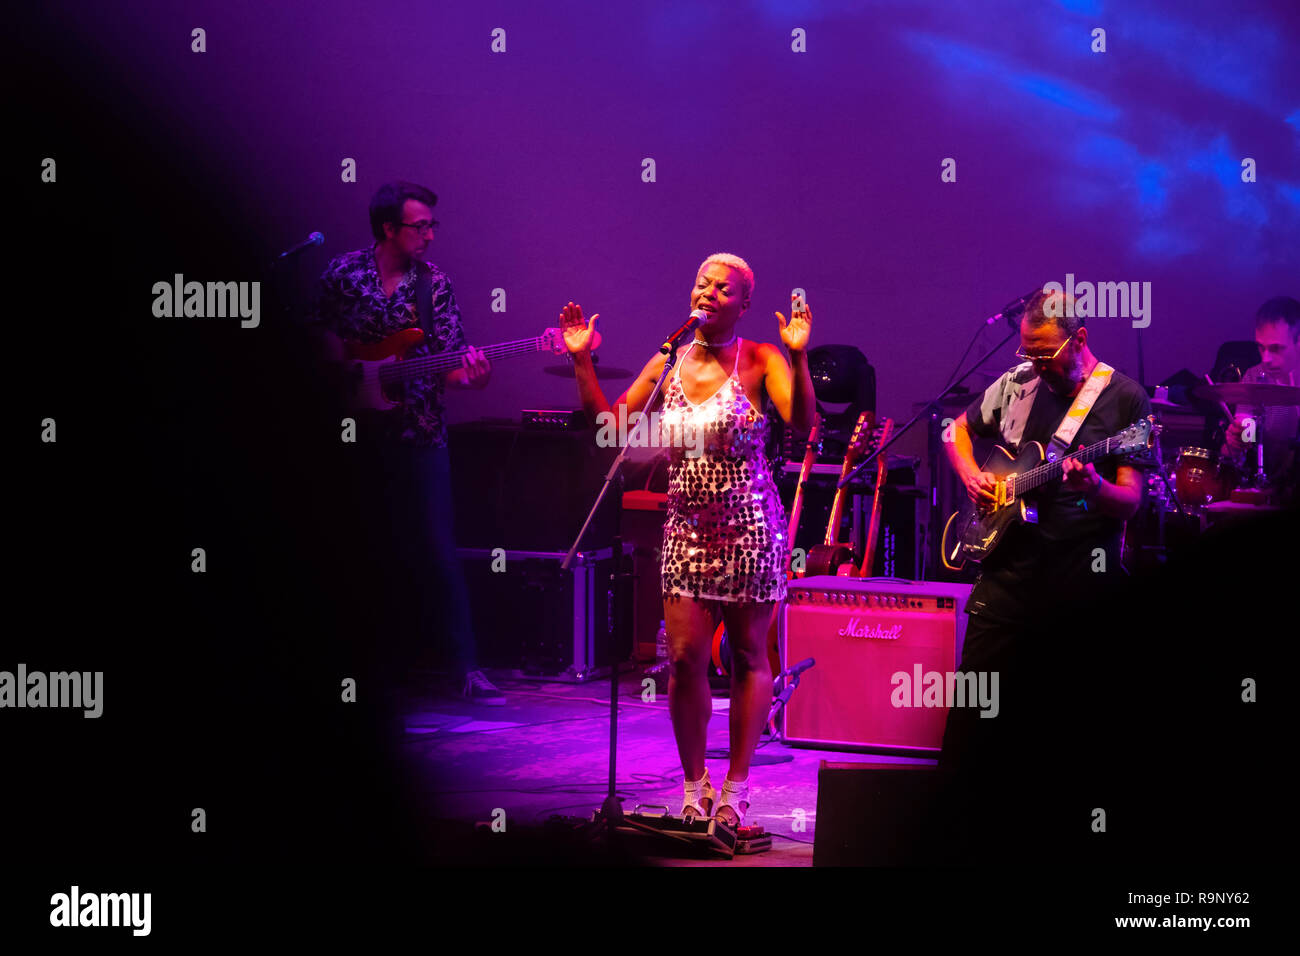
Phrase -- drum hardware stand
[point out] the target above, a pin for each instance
(1173, 496)
(1164, 478)
(1254, 487)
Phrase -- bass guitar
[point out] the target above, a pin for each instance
(375, 367)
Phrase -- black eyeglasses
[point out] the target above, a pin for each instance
(422, 226)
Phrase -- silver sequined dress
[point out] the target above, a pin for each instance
(725, 531)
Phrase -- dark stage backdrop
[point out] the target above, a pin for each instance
(809, 138)
(912, 166)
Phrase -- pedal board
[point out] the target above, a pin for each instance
(693, 834)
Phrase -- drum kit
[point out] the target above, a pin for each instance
(1200, 487)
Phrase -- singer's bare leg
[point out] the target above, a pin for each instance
(690, 635)
(751, 680)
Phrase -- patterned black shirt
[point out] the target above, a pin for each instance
(353, 306)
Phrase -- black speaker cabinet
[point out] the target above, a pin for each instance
(527, 489)
(880, 814)
(532, 616)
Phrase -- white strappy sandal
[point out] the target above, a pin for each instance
(735, 800)
(699, 796)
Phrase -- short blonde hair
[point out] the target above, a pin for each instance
(732, 262)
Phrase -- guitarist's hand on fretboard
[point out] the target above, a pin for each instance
(474, 372)
(1079, 477)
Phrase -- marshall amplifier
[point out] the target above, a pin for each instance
(862, 633)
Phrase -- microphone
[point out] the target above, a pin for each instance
(802, 666)
(315, 239)
(689, 326)
(784, 697)
(1012, 311)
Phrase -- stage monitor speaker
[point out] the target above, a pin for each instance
(880, 814)
(862, 632)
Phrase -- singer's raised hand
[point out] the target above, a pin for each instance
(795, 333)
(578, 333)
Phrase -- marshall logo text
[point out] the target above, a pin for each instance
(855, 628)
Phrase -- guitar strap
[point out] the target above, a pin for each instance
(424, 299)
(1083, 402)
(424, 303)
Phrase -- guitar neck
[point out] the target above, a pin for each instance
(852, 455)
(873, 526)
(449, 361)
(837, 503)
(1050, 471)
(809, 459)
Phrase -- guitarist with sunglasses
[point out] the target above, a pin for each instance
(366, 296)
(1065, 553)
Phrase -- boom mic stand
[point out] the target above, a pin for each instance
(899, 433)
(611, 811)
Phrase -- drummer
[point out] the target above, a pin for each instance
(1277, 332)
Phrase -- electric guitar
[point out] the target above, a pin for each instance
(973, 533)
(811, 451)
(374, 367)
(830, 555)
(873, 526)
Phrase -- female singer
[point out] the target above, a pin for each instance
(725, 550)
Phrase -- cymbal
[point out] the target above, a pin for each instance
(602, 371)
(1264, 393)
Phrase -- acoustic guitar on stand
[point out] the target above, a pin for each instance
(832, 556)
(873, 526)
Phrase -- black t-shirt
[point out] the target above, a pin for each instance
(1038, 565)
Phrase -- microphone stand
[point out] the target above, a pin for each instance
(285, 282)
(610, 815)
(900, 432)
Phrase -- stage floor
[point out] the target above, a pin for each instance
(547, 752)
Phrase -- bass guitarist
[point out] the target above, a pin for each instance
(365, 296)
